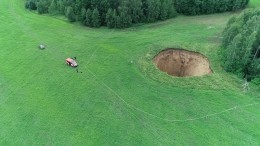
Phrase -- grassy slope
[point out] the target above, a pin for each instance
(254, 3)
(114, 102)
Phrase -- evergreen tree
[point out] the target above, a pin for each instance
(53, 7)
(70, 14)
(125, 18)
(61, 6)
(153, 10)
(88, 19)
(78, 5)
(115, 20)
(82, 17)
(136, 10)
(96, 18)
(236, 5)
(163, 11)
(118, 23)
(103, 9)
(150, 11)
(157, 4)
(109, 18)
(40, 7)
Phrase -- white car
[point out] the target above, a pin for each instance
(71, 62)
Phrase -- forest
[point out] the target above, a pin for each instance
(195, 7)
(241, 45)
(124, 13)
(111, 13)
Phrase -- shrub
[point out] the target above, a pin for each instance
(31, 4)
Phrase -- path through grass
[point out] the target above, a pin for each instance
(115, 102)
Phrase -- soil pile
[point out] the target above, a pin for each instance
(182, 63)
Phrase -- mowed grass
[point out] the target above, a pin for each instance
(114, 101)
(254, 3)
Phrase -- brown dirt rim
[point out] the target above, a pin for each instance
(182, 63)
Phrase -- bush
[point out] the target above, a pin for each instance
(30, 4)
(256, 81)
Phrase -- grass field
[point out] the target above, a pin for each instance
(114, 101)
(254, 3)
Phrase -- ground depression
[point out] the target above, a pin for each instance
(182, 63)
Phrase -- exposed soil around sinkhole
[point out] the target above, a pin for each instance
(182, 63)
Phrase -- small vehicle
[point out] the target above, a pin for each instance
(71, 62)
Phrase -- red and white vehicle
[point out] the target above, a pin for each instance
(71, 62)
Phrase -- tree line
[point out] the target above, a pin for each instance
(124, 13)
(241, 45)
(111, 13)
(195, 7)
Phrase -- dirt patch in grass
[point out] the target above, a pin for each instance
(182, 63)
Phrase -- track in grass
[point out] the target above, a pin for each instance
(114, 102)
(164, 119)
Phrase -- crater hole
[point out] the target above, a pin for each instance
(182, 63)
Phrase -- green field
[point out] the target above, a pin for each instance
(254, 3)
(114, 101)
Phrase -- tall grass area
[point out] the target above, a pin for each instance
(120, 98)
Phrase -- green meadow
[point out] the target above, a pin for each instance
(120, 97)
(254, 3)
